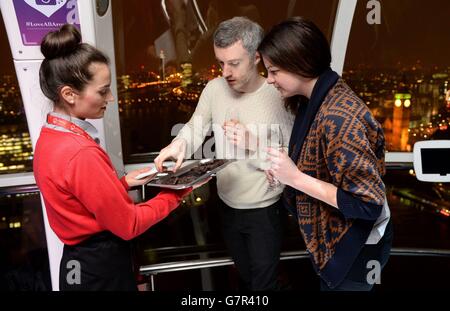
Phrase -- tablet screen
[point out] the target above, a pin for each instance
(435, 161)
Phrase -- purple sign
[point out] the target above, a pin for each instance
(38, 17)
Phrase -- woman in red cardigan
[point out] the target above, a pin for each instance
(88, 206)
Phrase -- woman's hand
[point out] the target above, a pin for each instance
(285, 170)
(282, 167)
(132, 181)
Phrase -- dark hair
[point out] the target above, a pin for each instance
(298, 46)
(66, 62)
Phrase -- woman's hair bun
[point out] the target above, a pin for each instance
(60, 43)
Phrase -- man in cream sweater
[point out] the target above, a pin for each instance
(249, 207)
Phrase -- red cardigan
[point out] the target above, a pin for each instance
(83, 194)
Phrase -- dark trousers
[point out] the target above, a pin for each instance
(102, 262)
(253, 239)
(356, 279)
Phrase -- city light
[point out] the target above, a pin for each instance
(15, 152)
(15, 225)
(445, 212)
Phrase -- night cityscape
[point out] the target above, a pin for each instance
(15, 144)
(411, 104)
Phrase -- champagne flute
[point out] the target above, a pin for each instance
(231, 116)
(274, 141)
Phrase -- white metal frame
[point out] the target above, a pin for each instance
(429, 144)
(103, 39)
(339, 42)
(341, 33)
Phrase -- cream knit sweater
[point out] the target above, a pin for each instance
(242, 184)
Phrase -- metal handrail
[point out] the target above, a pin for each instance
(152, 270)
(421, 252)
(18, 189)
(301, 254)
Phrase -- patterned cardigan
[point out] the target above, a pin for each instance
(345, 147)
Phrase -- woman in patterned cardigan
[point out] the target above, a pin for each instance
(335, 163)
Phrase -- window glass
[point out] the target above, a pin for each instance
(16, 152)
(400, 68)
(23, 249)
(420, 210)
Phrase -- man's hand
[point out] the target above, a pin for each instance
(175, 151)
(240, 136)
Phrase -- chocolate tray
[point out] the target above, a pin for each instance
(189, 175)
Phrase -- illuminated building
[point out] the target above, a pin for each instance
(187, 74)
(400, 121)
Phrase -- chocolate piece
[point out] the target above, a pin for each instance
(192, 174)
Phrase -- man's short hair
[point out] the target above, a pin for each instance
(239, 28)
